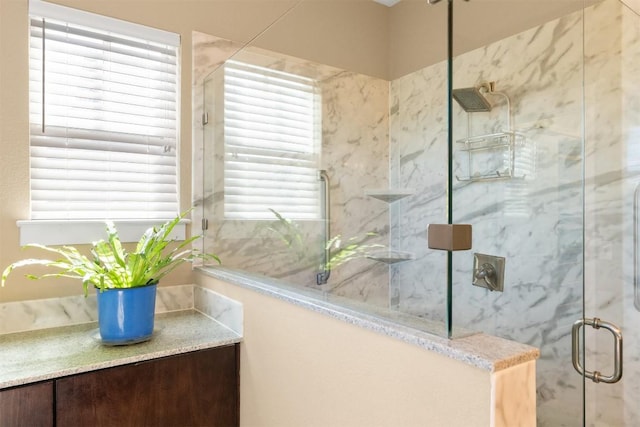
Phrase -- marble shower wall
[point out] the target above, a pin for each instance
(418, 164)
(535, 220)
(354, 153)
(528, 220)
(612, 78)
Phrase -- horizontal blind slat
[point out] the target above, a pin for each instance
(82, 138)
(240, 139)
(270, 128)
(59, 27)
(108, 148)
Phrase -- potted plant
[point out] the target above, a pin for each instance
(125, 281)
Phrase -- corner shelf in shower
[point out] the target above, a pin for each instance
(505, 140)
(390, 256)
(388, 195)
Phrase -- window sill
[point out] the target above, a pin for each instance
(74, 232)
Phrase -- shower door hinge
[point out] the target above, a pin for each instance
(205, 224)
(205, 118)
(449, 237)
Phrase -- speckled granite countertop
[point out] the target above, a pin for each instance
(44, 354)
(483, 351)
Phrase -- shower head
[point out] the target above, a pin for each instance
(471, 99)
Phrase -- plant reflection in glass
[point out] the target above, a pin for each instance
(341, 250)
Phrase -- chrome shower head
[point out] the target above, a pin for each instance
(471, 99)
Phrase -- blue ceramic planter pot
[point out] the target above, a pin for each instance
(125, 316)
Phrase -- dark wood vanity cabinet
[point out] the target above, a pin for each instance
(192, 389)
(29, 405)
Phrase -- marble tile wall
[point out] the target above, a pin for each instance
(354, 153)
(535, 222)
(219, 307)
(513, 396)
(418, 138)
(66, 311)
(612, 164)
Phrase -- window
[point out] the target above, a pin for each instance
(103, 118)
(272, 139)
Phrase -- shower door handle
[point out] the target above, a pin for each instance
(596, 376)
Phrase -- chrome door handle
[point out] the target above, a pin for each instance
(596, 376)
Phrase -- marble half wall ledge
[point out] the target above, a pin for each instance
(487, 352)
(22, 316)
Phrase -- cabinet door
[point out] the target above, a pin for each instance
(193, 389)
(30, 405)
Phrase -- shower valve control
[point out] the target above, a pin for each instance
(488, 272)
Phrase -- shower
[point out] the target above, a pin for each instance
(471, 98)
(524, 172)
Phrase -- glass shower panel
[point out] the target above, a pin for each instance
(244, 231)
(612, 179)
(518, 169)
(418, 132)
(379, 160)
(331, 233)
(383, 147)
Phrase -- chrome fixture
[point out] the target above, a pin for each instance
(596, 376)
(323, 276)
(488, 272)
(471, 99)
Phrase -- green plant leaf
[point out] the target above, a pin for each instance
(111, 266)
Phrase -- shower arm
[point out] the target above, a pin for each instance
(510, 131)
(489, 89)
(506, 97)
(323, 276)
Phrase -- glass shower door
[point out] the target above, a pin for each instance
(546, 130)
(612, 191)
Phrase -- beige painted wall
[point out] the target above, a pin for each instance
(418, 31)
(301, 368)
(14, 131)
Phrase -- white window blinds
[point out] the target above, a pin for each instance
(103, 120)
(272, 139)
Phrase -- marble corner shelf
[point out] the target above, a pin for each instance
(390, 257)
(388, 195)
